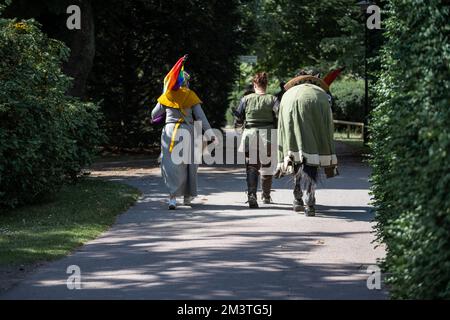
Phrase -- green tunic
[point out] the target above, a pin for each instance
(259, 117)
(305, 128)
(259, 111)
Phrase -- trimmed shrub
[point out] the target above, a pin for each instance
(410, 149)
(349, 100)
(46, 137)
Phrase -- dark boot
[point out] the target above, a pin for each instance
(299, 206)
(252, 184)
(310, 190)
(253, 201)
(310, 211)
(266, 182)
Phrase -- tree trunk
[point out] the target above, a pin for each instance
(82, 46)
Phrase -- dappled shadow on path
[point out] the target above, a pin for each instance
(362, 213)
(217, 249)
(158, 259)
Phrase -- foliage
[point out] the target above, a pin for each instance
(49, 231)
(52, 15)
(46, 137)
(295, 34)
(410, 149)
(137, 44)
(349, 99)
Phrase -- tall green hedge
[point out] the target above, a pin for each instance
(349, 99)
(46, 137)
(411, 149)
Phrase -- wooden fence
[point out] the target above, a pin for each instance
(350, 125)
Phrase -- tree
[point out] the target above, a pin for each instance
(52, 15)
(82, 49)
(137, 44)
(295, 34)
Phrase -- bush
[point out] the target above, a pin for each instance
(46, 137)
(349, 100)
(410, 150)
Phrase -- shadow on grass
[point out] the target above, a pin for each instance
(51, 230)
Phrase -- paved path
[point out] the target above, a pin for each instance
(221, 250)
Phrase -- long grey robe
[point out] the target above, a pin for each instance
(180, 179)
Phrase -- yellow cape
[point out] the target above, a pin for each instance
(182, 98)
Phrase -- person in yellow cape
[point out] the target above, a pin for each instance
(181, 107)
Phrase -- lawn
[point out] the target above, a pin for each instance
(49, 231)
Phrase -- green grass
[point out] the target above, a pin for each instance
(49, 231)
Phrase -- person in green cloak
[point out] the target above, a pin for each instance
(305, 137)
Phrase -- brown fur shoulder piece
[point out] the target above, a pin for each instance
(307, 79)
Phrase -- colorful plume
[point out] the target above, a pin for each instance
(175, 77)
(329, 79)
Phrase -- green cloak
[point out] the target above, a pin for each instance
(306, 129)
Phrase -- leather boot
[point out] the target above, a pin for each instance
(310, 211)
(266, 182)
(298, 196)
(252, 184)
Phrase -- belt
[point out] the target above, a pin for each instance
(174, 134)
(258, 125)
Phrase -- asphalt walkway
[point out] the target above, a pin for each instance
(219, 249)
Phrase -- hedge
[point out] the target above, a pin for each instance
(349, 100)
(410, 132)
(46, 137)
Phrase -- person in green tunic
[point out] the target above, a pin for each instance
(305, 137)
(258, 112)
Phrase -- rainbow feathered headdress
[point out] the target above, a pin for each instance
(175, 78)
(175, 95)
